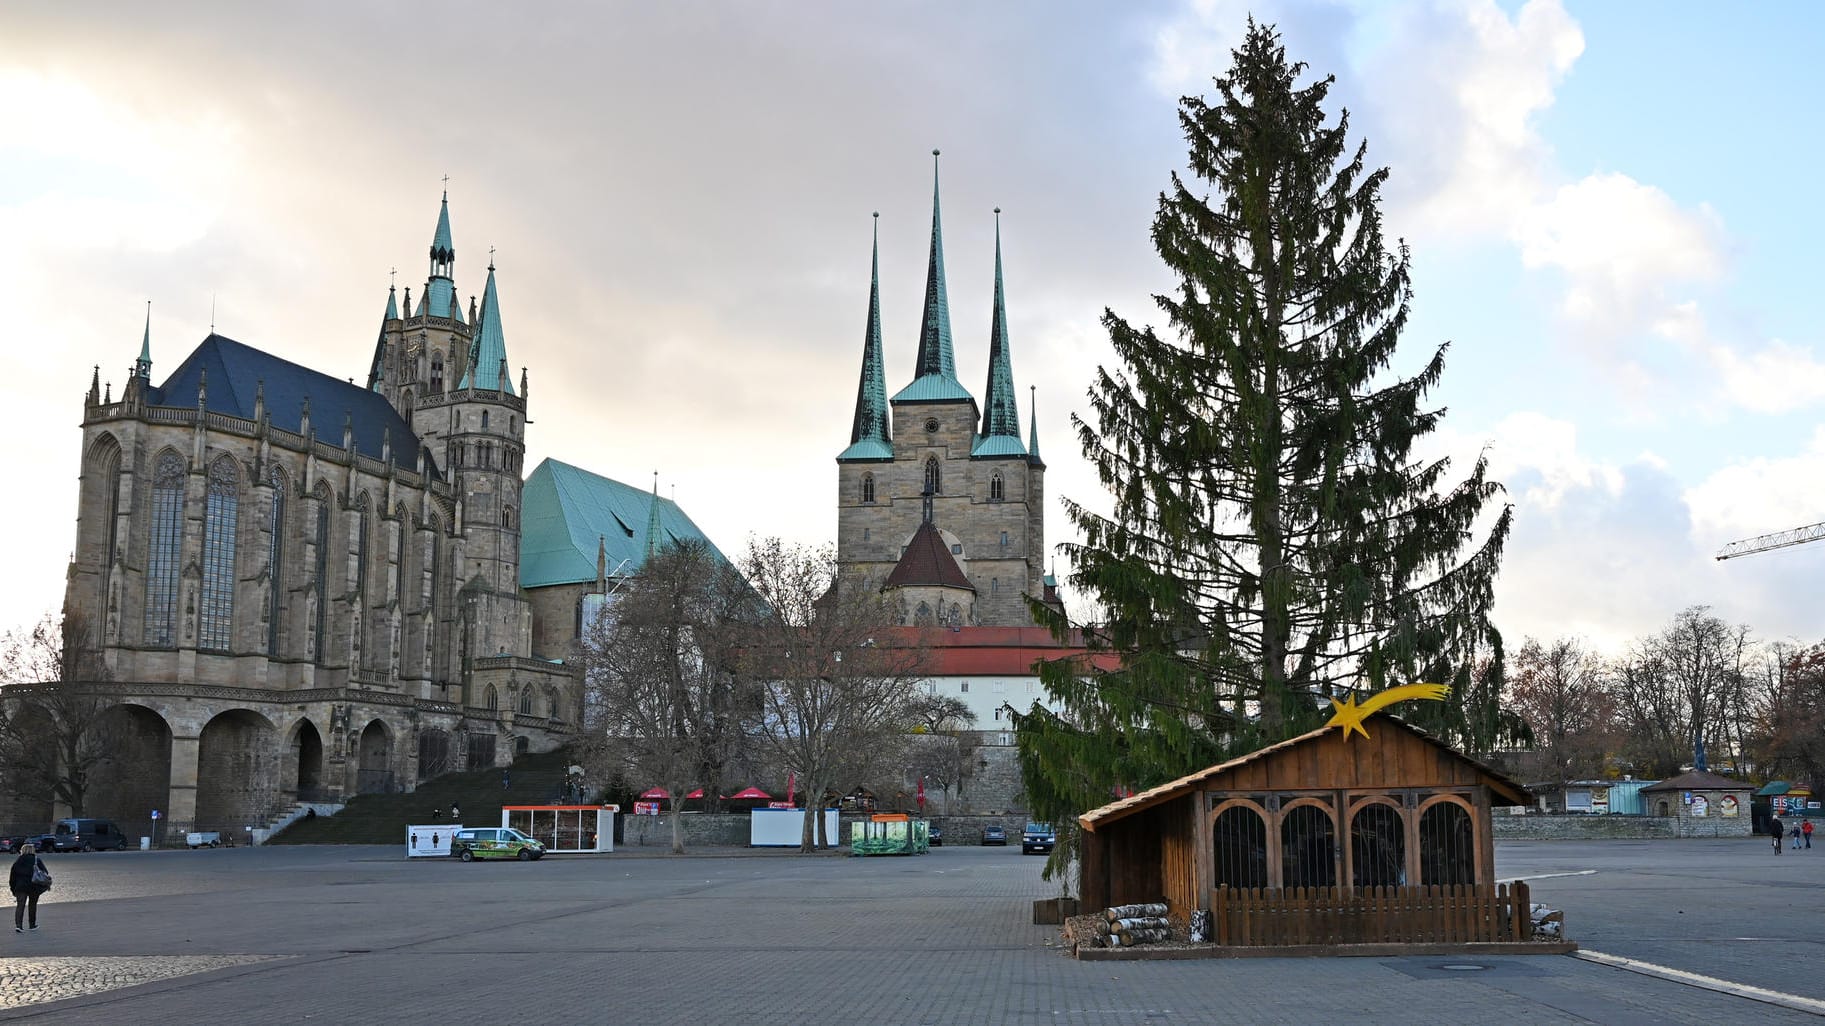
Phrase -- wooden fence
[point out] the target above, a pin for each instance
(1456, 914)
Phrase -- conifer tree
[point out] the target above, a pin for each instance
(1274, 538)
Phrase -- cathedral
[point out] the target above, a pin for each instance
(304, 588)
(940, 504)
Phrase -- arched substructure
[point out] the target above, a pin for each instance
(237, 772)
(29, 806)
(301, 775)
(374, 760)
(137, 779)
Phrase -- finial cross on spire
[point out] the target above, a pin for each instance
(446, 181)
(490, 258)
(392, 276)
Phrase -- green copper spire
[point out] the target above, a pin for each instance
(142, 367)
(440, 291)
(1033, 438)
(870, 439)
(488, 353)
(935, 375)
(1000, 415)
(392, 313)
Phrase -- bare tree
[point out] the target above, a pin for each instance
(662, 707)
(56, 733)
(836, 700)
(1561, 690)
(1682, 688)
(944, 750)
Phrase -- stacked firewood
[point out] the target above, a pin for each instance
(1548, 923)
(1125, 926)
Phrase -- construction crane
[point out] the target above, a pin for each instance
(1778, 540)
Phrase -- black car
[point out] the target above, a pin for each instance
(936, 837)
(994, 835)
(1038, 839)
(84, 834)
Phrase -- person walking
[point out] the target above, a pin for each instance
(1806, 829)
(1795, 834)
(506, 781)
(1777, 830)
(456, 813)
(28, 880)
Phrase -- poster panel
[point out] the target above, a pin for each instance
(430, 841)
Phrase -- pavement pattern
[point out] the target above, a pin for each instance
(347, 934)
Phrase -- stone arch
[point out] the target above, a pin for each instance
(436, 753)
(302, 774)
(137, 777)
(100, 510)
(237, 772)
(374, 759)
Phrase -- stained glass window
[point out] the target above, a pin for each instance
(221, 520)
(275, 559)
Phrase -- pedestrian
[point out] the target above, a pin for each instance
(456, 814)
(506, 781)
(437, 813)
(28, 880)
(1796, 837)
(1807, 830)
(1779, 831)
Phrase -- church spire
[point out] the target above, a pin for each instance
(935, 374)
(1000, 415)
(870, 437)
(440, 291)
(488, 362)
(1033, 436)
(377, 373)
(652, 521)
(142, 367)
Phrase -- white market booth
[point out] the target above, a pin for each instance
(785, 828)
(565, 829)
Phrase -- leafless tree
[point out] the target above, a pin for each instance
(662, 707)
(56, 732)
(944, 748)
(836, 702)
(1682, 687)
(1562, 690)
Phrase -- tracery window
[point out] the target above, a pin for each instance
(996, 488)
(437, 372)
(526, 701)
(934, 482)
(221, 522)
(867, 487)
(275, 559)
(322, 579)
(491, 698)
(167, 543)
(361, 546)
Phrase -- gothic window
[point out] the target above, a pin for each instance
(491, 699)
(400, 520)
(526, 701)
(507, 517)
(322, 570)
(405, 404)
(166, 549)
(484, 420)
(221, 519)
(1004, 539)
(104, 467)
(275, 559)
(437, 372)
(996, 491)
(994, 584)
(934, 483)
(361, 545)
(867, 487)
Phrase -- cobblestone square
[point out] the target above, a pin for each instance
(345, 934)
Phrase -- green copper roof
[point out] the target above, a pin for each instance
(441, 246)
(568, 512)
(1000, 416)
(489, 349)
(377, 373)
(870, 438)
(143, 366)
(986, 446)
(392, 313)
(935, 374)
(439, 299)
(654, 539)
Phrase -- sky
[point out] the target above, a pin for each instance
(1610, 207)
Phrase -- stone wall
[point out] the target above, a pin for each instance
(731, 829)
(1596, 828)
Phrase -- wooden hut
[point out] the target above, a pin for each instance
(1322, 839)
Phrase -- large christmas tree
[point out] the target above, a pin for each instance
(1274, 540)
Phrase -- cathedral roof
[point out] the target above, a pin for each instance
(927, 562)
(489, 348)
(568, 512)
(236, 371)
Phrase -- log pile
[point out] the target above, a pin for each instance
(1548, 923)
(1125, 926)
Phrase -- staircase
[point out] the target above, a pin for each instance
(382, 818)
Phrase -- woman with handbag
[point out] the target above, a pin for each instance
(29, 879)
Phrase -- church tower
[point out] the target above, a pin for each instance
(943, 478)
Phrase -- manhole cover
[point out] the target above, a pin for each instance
(1462, 967)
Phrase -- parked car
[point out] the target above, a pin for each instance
(495, 843)
(1038, 839)
(994, 835)
(87, 835)
(935, 836)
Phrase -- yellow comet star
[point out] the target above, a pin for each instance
(1350, 715)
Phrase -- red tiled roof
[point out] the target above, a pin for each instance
(927, 561)
(992, 651)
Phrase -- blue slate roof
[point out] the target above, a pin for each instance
(236, 371)
(566, 511)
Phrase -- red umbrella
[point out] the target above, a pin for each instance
(751, 792)
(695, 794)
(657, 794)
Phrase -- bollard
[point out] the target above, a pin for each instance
(145, 844)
